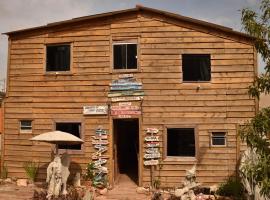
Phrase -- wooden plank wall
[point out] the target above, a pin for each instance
(219, 105)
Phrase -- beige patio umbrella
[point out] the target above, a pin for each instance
(57, 137)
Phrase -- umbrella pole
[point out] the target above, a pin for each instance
(56, 149)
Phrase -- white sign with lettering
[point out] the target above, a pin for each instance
(95, 110)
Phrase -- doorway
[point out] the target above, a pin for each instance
(126, 148)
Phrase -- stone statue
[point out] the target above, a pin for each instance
(65, 159)
(54, 177)
(57, 175)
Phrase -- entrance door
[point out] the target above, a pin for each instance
(126, 148)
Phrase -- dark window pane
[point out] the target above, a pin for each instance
(180, 142)
(219, 138)
(72, 128)
(26, 125)
(119, 56)
(196, 67)
(132, 56)
(58, 58)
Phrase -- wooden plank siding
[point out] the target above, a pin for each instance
(220, 104)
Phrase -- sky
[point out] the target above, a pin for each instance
(20, 14)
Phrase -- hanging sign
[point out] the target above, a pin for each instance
(152, 130)
(126, 93)
(150, 162)
(101, 132)
(99, 162)
(103, 142)
(152, 150)
(96, 157)
(152, 144)
(128, 107)
(125, 112)
(100, 146)
(123, 116)
(151, 138)
(95, 110)
(135, 98)
(102, 137)
(152, 156)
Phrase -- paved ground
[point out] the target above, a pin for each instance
(124, 190)
(13, 192)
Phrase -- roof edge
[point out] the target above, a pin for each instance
(137, 8)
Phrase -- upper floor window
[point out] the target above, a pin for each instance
(181, 142)
(58, 58)
(196, 67)
(124, 56)
(26, 126)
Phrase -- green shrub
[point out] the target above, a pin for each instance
(31, 169)
(90, 171)
(232, 188)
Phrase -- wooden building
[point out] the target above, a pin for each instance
(167, 89)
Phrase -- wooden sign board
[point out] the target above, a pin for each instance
(95, 110)
(100, 150)
(126, 87)
(118, 99)
(152, 156)
(100, 146)
(102, 137)
(152, 150)
(151, 138)
(126, 93)
(125, 76)
(128, 107)
(124, 116)
(101, 132)
(125, 112)
(99, 162)
(152, 130)
(96, 157)
(103, 142)
(150, 162)
(152, 144)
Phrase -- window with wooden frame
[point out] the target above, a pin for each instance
(58, 57)
(125, 56)
(196, 67)
(25, 126)
(180, 142)
(73, 128)
(218, 139)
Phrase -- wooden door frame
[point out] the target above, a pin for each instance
(111, 144)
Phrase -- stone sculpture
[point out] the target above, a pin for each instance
(57, 175)
(65, 160)
(54, 177)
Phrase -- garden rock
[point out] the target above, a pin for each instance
(22, 182)
(8, 180)
(141, 190)
(103, 191)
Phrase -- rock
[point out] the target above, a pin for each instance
(22, 182)
(8, 180)
(213, 188)
(103, 191)
(142, 190)
(180, 192)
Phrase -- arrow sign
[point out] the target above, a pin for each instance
(152, 144)
(151, 156)
(152, 130)
(151, 138)
(150, 162)
(152, 150)
(103, 142)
